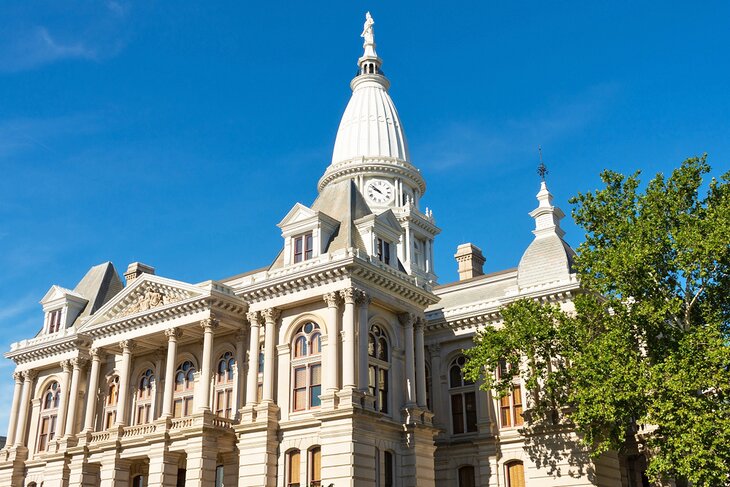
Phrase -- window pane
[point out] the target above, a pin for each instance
(388, 466)
(505, 416)
(457, 413)
(294, 461)
(515, 475)
(517, 402)
(466, 477)
(455, 376)
(316, 469)
(300, 398)
(470, 401)
(308, 247)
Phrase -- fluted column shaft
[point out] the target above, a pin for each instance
(77, 364)
(28, 377)
(17, 392)
(209, 325)
(271, 315)
(363, 302)
(407, 320)
(420, 364)
(173, 334)
(253, 358)
(348, 340)
(333, 342)
(127, 346)
(63, 405)
(92, 397)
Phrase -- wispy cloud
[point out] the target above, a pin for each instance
(22, 134)
(31, 39)
(467, 143)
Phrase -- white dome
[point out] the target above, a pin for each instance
(370, 126)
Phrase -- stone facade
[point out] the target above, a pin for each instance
(338, 364)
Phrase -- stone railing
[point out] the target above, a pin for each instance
(219, 422)
(99, 436)
(139, 430)
(180, 423)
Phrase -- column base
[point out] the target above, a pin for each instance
(350, 398)
(329, 400)
(368, 401)
(267, 412)
(412, 414)
(247, 414)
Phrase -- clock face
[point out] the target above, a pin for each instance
(379, 191)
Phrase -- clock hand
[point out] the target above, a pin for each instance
(376, 189)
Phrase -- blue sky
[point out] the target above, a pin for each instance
(179, 134)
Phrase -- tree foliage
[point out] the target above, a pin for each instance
(645, 355)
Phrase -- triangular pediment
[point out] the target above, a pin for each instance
(146, 293)
(298, 213)
(388, 219)
(58, 292)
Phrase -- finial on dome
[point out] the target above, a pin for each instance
(369, 36)
(369, 62)
(542, 170)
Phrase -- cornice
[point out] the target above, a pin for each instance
(360, 165)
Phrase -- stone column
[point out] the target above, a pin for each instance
(240, 360)
(254, 319)
(127, 346)
(17, 391)
(363, 302)
(92, 395)
(407, 320)
(420, 364)
(348, 340)
(436, 404)
(271, 316)
(173, 335)
(28, 377)
(63, 406)
(333, 341)
(209, 325)
(78, 364)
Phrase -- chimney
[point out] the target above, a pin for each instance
(136, 269)
(470, 260)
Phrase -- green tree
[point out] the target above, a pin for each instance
(645, 356)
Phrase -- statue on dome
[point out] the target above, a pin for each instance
(367, 30)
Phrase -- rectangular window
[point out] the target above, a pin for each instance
(177, 408)
(470, 404)
(517, 404)
(315, 475)
(143, 414)
(383, 390)
(303, 247)
(300, 388)
(505, 413)
(383, 251)
(111, 418)
(388, 466)
(457, 413)
(220, 402)
(54, 321)
(315, 385)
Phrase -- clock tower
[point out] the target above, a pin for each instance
(371, 150)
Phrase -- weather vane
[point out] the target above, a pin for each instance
(541, 169)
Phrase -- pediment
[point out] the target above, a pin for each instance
(58, 292)
(146, 293)
(388, 219)
(298, 213)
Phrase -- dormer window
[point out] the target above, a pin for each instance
(54, 320)
(382, 250)
(303, 247)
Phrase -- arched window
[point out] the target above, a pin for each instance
(145, 395)
(515, 473)
(463, 399)
(224, 385)
(112, 398)
(466, 476)
(306, 367)
(293, 463)
(184, 389)
(49, 415)
(315, 466)
(378, 366)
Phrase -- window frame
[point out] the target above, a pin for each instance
(305, 241)
(184, 396)
(510, 410)
(314, 477)
(50, 401)
(383, 250)
(224, 386)
(145, 397)
(293, 461)
(54, 320)
(462, 395)
(379, 367)
(306, 359)
(111, 402)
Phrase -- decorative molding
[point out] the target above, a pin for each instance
(152, 297)
(332, 299)
(65, 365)
(254, 318)
(271, 315)
(29, 375)
(97, 353)
(173, 334)
(348, 295)
(210, 323)
(362, 298)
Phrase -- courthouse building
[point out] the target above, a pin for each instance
(339, 364)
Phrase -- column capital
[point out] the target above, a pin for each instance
(96, 353)
(362, 298)
(210, 323)
(348, 295)
(79, 363)
(127, 346)
(173, 334)
(332, 299)
(66, 365)
(271, 314)
(18, 377)
(434, 349)
(254, 318)
(407, 319)
(420, 323)
(29, 375)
